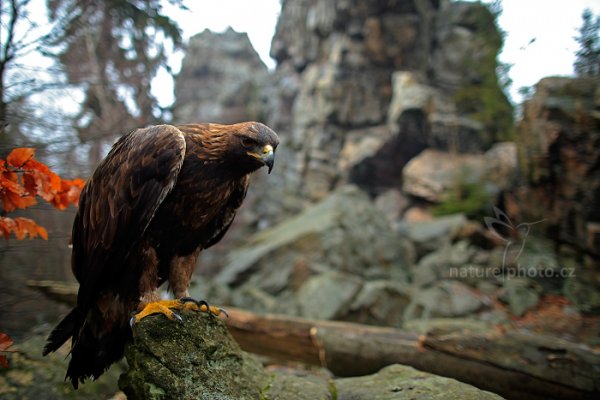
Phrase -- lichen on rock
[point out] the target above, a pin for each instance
(192, 359)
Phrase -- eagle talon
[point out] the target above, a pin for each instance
(204, 303)
(202, 306)
(224, 311)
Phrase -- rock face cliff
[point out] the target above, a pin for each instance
(559, 142)
(367, 85)
(220, 80)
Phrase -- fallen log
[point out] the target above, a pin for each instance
(515, 365)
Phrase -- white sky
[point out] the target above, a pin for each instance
(553, 24)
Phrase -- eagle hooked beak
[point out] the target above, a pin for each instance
(268, 156)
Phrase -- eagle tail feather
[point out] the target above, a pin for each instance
(63, 331)
(95, 351)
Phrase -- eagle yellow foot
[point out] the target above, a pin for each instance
(165, 307)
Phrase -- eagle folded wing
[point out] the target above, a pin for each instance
(120, 200)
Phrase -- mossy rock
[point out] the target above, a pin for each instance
(309, 387)
(402, 382)
(195, 358)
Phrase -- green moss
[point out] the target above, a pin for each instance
(468, 197)
(333, 390)
(192, 359)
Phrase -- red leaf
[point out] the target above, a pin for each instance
(8, 183)
(42, 232)
(22, 178)
(21, 227)
(5, 341)
(18, 157)
(53, 179)
(28, 227)
(7, 225)
(12, 201)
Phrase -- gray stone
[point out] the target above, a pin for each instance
(402, 382)
(444, 263)
(446, 298)
(286, 386)
(255, 299)
(327, 296)
(430, 235)
(379, 303)
(521, 295)
(392, 203)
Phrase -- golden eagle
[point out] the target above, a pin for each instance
(162, 195)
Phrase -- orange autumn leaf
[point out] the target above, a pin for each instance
(73, 189)
(21, 228)
(69, 193)
(9, 182)
(41, 184)
(22, 178)
(54, 181)
(5, 343)
(11, 200)
(28, 227)
(7, 225)
(18, 157)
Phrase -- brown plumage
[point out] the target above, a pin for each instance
(161, 195)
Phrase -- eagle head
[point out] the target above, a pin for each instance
(254, 145)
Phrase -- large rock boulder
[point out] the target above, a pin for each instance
(222, 80)
(192, 359)
(559, 139)
(435, 175)
(398, 382)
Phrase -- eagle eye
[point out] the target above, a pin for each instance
(248, 142)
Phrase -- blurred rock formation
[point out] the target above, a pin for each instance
(373, 84)
(221, 80)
